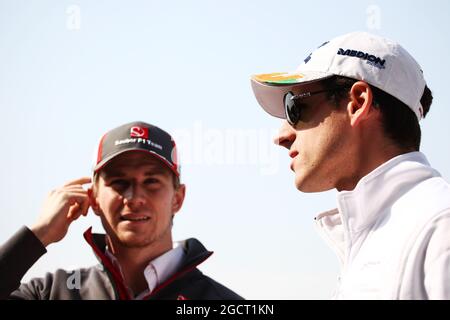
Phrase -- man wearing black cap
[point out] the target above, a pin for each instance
(352, 111)
(136, 192)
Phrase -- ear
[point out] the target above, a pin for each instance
(178, 198)
(93, 202)
(360, 106)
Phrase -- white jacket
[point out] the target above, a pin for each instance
(392, 233)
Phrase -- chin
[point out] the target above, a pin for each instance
(131, 240)
(134, 243)
(307, 186)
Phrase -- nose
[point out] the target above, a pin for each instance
(286, 136)
(134, 197)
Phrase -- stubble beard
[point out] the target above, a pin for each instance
(137, 241)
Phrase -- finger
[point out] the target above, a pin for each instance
(75, 194)
(76, 211)
(82, 180)
(77, 187)
(73, 211)
(85, 207)
(78, 198)
(92, 200)
(82, 210)
(69, 199)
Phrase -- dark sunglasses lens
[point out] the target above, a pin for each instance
(291, 109)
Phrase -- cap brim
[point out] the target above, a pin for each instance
(270, 88)
(105, 161)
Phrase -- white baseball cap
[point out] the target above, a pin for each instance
(380, 62)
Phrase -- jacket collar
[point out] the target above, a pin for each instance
(362, 207)
(195, 254)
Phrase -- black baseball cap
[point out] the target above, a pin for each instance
(137, 136)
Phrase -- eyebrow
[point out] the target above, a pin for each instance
(121, 172)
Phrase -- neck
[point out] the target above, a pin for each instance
(134, 260)
(369, 157)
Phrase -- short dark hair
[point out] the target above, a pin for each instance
(400, 123)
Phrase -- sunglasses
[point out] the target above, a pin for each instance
(293, 105)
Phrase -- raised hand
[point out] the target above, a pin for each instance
(61, 207)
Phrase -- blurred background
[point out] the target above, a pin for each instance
(71, 70)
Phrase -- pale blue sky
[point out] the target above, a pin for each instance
(185, 66)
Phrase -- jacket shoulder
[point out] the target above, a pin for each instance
(221, 292)
(427, 199)
(194, 285)
(202, 287)
(83, 283)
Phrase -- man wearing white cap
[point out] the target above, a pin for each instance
(352, 111)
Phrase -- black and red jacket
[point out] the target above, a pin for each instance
(103, 281)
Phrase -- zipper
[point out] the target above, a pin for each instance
(117, 279)
(342, 259)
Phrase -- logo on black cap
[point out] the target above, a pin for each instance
(139, 132)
